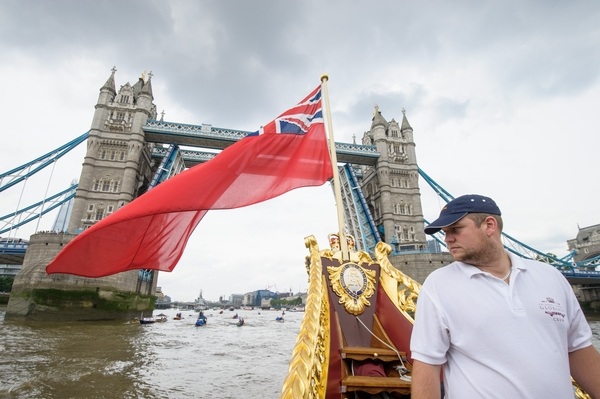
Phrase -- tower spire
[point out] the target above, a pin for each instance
(378, 119)
(147, 88)
(405, 125)
(110, 82)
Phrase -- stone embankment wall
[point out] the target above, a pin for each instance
(589, 297)
(418, 265)
(36, 295)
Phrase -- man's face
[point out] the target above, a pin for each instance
(468, 242)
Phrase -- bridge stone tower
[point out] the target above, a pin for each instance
(391, 187)
(116, 169)
(587, 243)
(117, 165)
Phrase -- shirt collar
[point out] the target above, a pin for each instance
(470, 270)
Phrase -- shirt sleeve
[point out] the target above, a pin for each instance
(430, 336)
(580, 333)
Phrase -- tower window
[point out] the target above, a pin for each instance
(402, 209)
(99, 214)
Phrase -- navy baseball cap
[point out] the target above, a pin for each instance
(459, 207)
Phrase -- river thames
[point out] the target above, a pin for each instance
(172, 360)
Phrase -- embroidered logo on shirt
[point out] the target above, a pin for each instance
(553, 309)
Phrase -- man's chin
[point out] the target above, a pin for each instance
(457, 254)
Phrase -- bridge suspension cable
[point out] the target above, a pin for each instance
(14, 219)
(512, 244)
(359, 221)
(30, 168)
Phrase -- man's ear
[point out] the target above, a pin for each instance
(491, 225)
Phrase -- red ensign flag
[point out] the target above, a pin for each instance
(152, 231)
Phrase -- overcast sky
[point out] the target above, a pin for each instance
(503, 98)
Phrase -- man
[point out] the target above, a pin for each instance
(496, 325)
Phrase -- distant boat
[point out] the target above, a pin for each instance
(147, 320)
(279, 319)
(161, 318)
(201, 321)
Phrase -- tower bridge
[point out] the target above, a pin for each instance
(215, 138)
(129, 151)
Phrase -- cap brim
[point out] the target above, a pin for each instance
(444, 221)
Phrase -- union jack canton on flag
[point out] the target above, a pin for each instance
(297, 120)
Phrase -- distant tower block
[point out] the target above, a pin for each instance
(61, 223)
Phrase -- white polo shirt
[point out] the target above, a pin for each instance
(498, 340)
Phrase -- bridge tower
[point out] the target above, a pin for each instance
(117, 164)
(391, 187)
(586, 245)
(116, 169)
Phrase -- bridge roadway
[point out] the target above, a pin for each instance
(215, 138)
(12, 251)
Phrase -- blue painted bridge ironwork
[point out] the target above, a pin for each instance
(216, 138)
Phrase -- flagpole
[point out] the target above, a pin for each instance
(336, 177)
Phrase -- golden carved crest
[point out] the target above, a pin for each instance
(353, 284)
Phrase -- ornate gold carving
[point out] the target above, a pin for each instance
(397, 284)
(334, 251)
(353, 284)
(307, 374)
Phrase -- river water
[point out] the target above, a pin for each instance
(174, 359)
(171, 360)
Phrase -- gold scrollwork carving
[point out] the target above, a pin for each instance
(307, 374)
(393, 280)
(353, 284)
